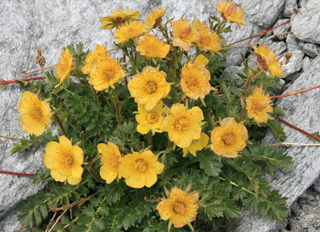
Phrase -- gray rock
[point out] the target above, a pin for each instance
(306, 159)
(278, 47)
(306, 25)
(311, 50)
(261, 12)
(291, 62)
(316, 185)
(292, 43)
(281, 29)
(231, 73)
(289, 7)
(305, 63)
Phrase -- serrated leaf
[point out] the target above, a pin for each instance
(99, 224)
(37, 217)
(43, 211)
(230, 209)
(89, 211)
(250, 203)
(104, 210)
(277, 130)
(209, 163)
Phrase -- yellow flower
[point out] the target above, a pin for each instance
(129, 30)
(195, 78)
(180, 207)
(230, 13)
(64, 160)
(106, 73)
(140, 169)
(196, 145)
(64, 66)
(152, 47)
(149, 119)
(182, 125)
(110, 161)
(35, 114)
(152, 20)
(258, 106)
(118, 17)
(208, 40)
(148, 87)
(267, 59)
(184, 34)
(228, 139)
(93, 58)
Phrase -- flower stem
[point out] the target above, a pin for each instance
(298, 129)
(295, 92)
(24, 79)
(34, 141)
(262, 33)
(60, 124)
(17, 173)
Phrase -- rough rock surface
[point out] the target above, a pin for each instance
(291, 62)
(306, 25)
(306, 159)
(281, 29)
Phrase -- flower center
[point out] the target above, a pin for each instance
(150, 87)
(259, 105)
(228, 139)
(262, 63)
(185, 31)
(179, 208)
(36, 113)
(231, 9)
(118, 21)
(181, 124)
(68, 160)
(193, 83)
(140, 165)
(152, 117)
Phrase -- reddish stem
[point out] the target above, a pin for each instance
(298, 129)
(24, 79)
(296, 92)
(261, 33)
(16, 173)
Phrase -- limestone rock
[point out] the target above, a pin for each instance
(305, 63)
(306, 25)
(281, 29)
(292, 43)
(311, 50)
(278, 47)
(306, 159)
(291, 62)
(289, 7)
(261, 12)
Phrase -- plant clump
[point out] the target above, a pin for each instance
(148, 115)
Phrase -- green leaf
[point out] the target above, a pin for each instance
(230, 209)
(277, 129)
(37, 217)
(98, 223)
(209, 163)
(43, 211)
(214, 209)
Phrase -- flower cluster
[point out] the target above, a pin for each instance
(134, 120)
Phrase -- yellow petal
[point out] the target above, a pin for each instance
(58, 176)
(136, 180)
(165, 209)
(73, 181)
